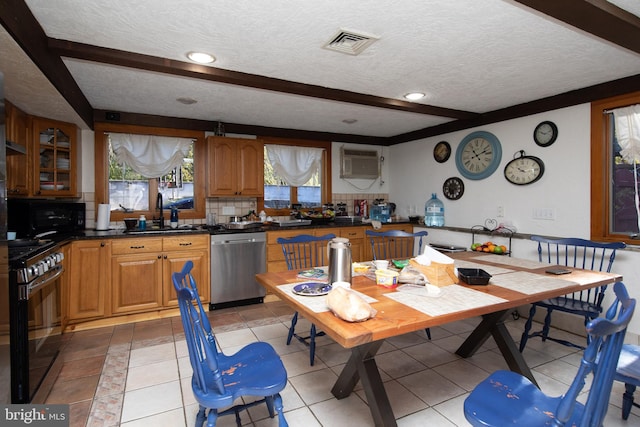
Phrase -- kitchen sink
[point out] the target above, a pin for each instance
(156, 230)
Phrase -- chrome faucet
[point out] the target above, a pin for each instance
(159, 206)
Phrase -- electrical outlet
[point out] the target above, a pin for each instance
(228, 210)
(500, 213)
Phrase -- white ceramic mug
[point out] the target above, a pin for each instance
(381, 264)
(11, 235)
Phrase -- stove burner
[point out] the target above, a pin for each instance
(18, 243)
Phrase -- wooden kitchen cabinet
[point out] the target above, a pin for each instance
(53, 158)
(178, 250)
(17, 128)
(89, 276)
(136, 269)
(142, 269)
(235, 167)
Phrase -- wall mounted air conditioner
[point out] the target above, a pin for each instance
(359, 164)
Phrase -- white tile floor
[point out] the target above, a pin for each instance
(426, 382)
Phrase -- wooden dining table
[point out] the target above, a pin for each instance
(514, 282)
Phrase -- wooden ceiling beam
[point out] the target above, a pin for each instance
(20, 23)
(598, 17)
(122, 117)
(567, 99)
(186, 69)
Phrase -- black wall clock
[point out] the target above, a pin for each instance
(442, 151)
(478, 155)
(523, 170)
(453, 188)
(545, 133)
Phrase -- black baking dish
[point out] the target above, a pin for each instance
(473, 276)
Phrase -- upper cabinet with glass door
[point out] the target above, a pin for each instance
(54, 172)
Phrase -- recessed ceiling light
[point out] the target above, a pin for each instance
(201, 57)
(414, 96)
(349, 121)
(186, 101)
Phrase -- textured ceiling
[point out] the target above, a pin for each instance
(468, 55)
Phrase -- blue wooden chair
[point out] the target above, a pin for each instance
(509, 399)
(303, 252)
(628, 372)
(218, 380)
(578, 253)
(396, 244)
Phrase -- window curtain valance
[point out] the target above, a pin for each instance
(627, 125)
(295, 165)
(150, 155)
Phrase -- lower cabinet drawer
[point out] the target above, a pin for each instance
(134, 246)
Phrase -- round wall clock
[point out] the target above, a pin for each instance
(453, 188)
(442, 151)
(545, 133)
(523, 170)
(478, 155)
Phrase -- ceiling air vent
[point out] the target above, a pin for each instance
(350, 42)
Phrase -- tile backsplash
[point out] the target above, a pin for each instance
(223, 208)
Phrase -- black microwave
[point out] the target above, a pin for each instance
(31, 217)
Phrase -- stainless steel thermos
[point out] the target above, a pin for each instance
(339, 254)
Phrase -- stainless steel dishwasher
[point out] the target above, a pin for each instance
(235, 260)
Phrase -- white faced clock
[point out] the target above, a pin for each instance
(545, 133)
(523, 170)
(478, 155)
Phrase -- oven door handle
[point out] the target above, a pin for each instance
(41, 282)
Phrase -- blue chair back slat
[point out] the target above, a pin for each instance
(203, 352)
(394, 244)
(305, 250)
(580, 253)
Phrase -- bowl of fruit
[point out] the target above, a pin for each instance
(490, 247)
(319, 217)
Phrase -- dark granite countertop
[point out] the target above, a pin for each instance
(203, 229)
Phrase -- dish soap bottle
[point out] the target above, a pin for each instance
(434, 212)
(142, 223)
(173, 221)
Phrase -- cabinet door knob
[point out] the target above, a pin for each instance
(102, 244)
(159, 256)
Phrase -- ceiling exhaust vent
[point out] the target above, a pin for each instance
(350, 42)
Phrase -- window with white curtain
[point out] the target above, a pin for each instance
(293, 175)
(615, 168)
(625, 141)
(142, 164)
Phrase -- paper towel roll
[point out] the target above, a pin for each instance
(104, 211)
